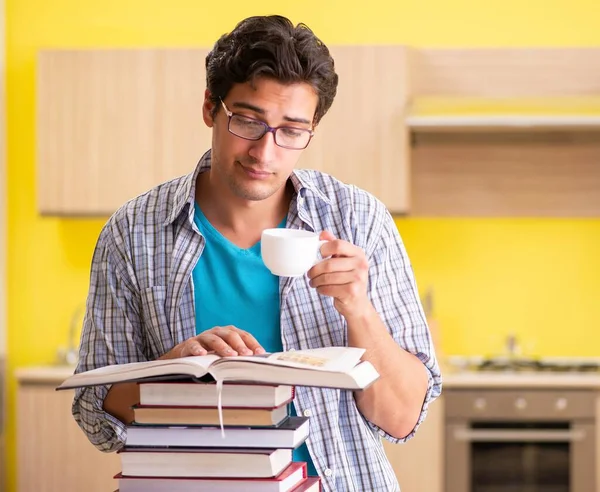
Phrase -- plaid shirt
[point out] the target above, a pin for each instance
(141, 304)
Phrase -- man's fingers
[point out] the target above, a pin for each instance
(193, 347)
(251, 343)
(326, 236)
(212, 341)
(338, 247)
(225, 341)
(234, 337)
(333, 266)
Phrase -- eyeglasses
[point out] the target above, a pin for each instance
(248, 128)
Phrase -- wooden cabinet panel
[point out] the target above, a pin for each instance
(506, 174)
(52, 451)
(363, 139)
(113, 123)
(419, 463)
(506, 72)
(505, 132)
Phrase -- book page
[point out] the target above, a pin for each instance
(335, 359)
(192, 366)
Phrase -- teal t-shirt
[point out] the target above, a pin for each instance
(232, 286)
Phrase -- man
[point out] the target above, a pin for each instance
(177, 271)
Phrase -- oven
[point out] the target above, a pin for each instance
(510, 440)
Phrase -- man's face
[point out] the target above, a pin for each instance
(255, 170)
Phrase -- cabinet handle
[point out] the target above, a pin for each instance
(506, 435)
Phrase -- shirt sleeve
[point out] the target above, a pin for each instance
(394, 295)
(111, 334)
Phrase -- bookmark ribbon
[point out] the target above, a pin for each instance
(219, 386)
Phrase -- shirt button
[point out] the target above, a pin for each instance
(328, 472)
(307, 413)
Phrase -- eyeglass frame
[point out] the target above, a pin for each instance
(268, 129)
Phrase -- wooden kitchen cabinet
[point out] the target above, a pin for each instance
(52, 452)
(430, 132)
(419, 463)
(363, 139)
(113, 123)
(505, 132)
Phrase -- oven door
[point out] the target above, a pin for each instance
(513, 457)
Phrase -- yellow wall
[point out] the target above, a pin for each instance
(538, 278)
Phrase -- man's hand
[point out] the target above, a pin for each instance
(343, 275)
(221, 340)
(225, 341)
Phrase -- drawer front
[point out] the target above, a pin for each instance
(520, 405)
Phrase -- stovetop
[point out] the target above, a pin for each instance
(526, 364)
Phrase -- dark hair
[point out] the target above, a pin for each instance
(270, 46)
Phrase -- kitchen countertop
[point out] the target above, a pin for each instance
(513, 379)
(451, 379)
(43, 374)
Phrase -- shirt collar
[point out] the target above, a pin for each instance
(186, 191)
(185, 194)
(303, 185)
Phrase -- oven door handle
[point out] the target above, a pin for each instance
(509, 435)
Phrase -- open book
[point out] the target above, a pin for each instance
(329, 367)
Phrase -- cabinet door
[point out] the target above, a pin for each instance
(52, 452)
(363, 139)
(419, 463)
(111, 124)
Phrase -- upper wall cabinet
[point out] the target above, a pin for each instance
(505, 132)
(363, 139)
(111, 124)
(430, 132)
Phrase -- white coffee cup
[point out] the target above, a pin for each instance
(289, 252)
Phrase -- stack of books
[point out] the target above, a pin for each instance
(177, 444)
(234, 435)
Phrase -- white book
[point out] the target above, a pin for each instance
(292, 432)
(204, 462)
(233, 395)
(333, 367)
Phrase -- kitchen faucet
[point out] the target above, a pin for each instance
(512, 346)
(70, 355)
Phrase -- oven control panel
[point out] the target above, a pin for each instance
(519, 405)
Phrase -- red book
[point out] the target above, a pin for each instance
(311, 484)
(286, 481)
